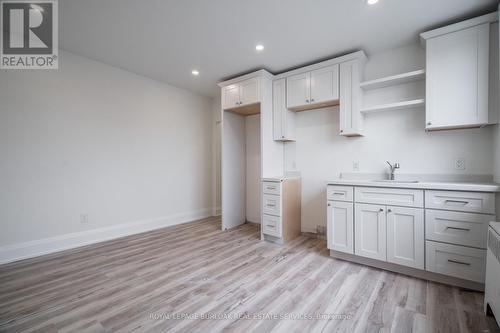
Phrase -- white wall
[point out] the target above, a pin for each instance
(93, 139)
(321, 154)
(253, 166)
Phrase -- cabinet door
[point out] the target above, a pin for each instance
(283, 119)
(370, 231)
(325, 84)
(457, 79)
(405, 236)
(298, 90)
(231, 98)
(340, 225)
(249, 91)
(351, 120)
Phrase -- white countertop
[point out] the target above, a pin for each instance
(278, 179)
(425, 185)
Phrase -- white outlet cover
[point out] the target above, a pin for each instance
(355, 166)
(460, 163)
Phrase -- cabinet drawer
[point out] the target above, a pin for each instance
(271, 225)
(457, 228)
(340, 193)
(389, 196)
(457, 261)
(474, 202)
(271, 188)
(271, 204)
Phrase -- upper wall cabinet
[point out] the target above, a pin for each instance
(457, 76)
(350, 118)
(241, 94)
(283, 119)
(311, 89)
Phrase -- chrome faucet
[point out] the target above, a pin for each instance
(393, 168)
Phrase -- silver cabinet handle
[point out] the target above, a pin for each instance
(456, 228)
(329, 205)
(381, 210)
(270, 205)
(307, 101)
(271, 188)
(389, 210)
(338, 193)
(341, 131)
(459, 262)
(312, 99)
(456, 201)
(429, 123)
(270, 226)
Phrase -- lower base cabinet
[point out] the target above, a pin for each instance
(406, 236)
(370, 231)
(340, 226)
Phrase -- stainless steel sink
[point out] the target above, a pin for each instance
(395, 181)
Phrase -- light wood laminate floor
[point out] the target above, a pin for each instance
(139, 283)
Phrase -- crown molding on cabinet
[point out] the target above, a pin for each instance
(259, 73)
(359, 55)
(488, 18)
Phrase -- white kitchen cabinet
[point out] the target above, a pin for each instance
(231, 96)
(298, 90)
(241, 94)
(370, 231)
(281, 209)
(325, 84)
(351, 119)
(405, 236)
(314, 88)
(457, 77)
(283, 119)
(340, 226)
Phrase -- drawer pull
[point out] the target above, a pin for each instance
(459, 262)
(456, 228)
(338, 193)
(271, 188)
(270, 205)
(270, 226)
(456, 201)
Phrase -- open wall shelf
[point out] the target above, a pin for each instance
(413, 76)
(394, 106)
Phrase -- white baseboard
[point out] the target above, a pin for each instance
(25, 250)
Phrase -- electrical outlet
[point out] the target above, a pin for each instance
(84, 219)
(460, 163)
(355, 166)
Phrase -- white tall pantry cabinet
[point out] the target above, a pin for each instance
(248, 95)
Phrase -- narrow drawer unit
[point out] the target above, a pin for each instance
(271, 204)
(389, 196)
(271, 225)
(457, 261)
(457, 228)
(474, 202)
(340, 193)
(271, 188)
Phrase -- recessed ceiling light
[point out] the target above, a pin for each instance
(195, 72)
(371, 2)
(259, 47)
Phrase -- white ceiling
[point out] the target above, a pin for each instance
(166, 39)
